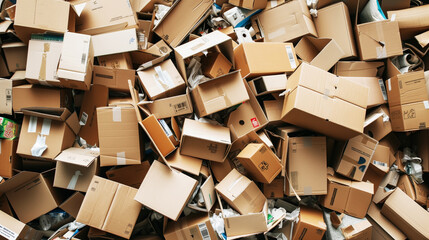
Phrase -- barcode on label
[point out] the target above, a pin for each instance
(165, 127)
(7, 233)
(8, 95)
(379, 163)
(83, 59)
(383, 89)
(83, 119)
(291, 57)
(180, 106)
(204, 231)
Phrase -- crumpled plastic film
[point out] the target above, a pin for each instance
(160, 13)
(195, 74)
(412, 165)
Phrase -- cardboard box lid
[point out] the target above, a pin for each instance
(375, 214)
(170, 106)
(165, 191)
(56, 114)
(131, 175)
(78, 156)
(206, 131)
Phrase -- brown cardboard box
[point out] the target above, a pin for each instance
(185, 163)
(377, 123)
(72, 204)
(147, 5)
(319, 52)
(182, 18)
(377, 94)
(119, 60)
(354, 156)
(29, 95)
(382, 228)
(158, 135)
(115, 42)
(190, 227)
(162, 80)
(310, 225)
(165, 190)
(96, 97)
(118, 132)
(197, 46)
(241, 193)
(336, 15)
(349, 197)
(273, 111)
(422, 141)
(380, 158)
(9, 161)
(15, 55)
(6, 96)
(207, 99)
(260, 162)
(274, 189)
(258, 59)
(285, 23)
(169, 107)
(77, 58)
(110, 206)
(410, 117)
(31, 194)
(407, 88)
(205, 140)
(358, 231)
(54, 127)
(417, 192)
(215, 64)
(359, 69)
(106, 16)
(411, 20)
(42, 62)
(249, 4)
(329, 92)
(306, 166)
(75, 168)
(129, 175)
(113, 78)
(284, 132)
(407, 215)
(268, 84)
(14, 229)
(36, 16)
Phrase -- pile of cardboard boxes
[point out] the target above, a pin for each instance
(214, 119)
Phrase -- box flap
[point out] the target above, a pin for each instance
(78, 156)
(185, 163)
(58, 114)
(200, 130)
(208, 191)
(17, 180)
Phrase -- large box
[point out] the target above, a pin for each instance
(119, 137)
(205, 140)
(190, 227)
(285, 23)
(310, 225)
(77, 58)
(115, 42)
(114, 78)
(110, 206)
(325, 103)
(306, 166)
(268, 84)
(264, 58)
(407, 88)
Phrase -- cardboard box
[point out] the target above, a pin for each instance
(205, 140)
(273, 111)
(417, 192)
(169, 107)
(377, 123)
(75, 168)
(159, 136)
(241, 193)
(185, 163)
(382, 228)
(410, 117)
(282, 149)
(407, 215)
(407, 88)
(42, 62)
(190, 227)
(161, 81)
(274, 189)
(422, 140)
(411, 21)
(118, 132)
(330, 92)
(337, 15)
(258, 59)
(155, 54)
(359, 69)
(215, 64)
(54, 127)
(310, 225)
(106, 16)
(28, 95)
(349, 197)
(380, 159)
(377, 94)
(260, 162)
(110, 206)
(354, 156)
(306, 166)
(165, 190)
(30, 17)
(182, 18)
(8, 159)
(113, 78)
(77, 59)
(6, 96)
(249, 4)
(14, 229)
(119, 60)
(268, 84)
(115, 42)
(319, 52)
(96, 97)
(129, 175)
(360, 230)
(16, 55)
(72, 204)
(285, 23)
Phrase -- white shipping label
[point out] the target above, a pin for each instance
(204, 231)
(120, 158)
(426, 103)
(117, 117)
(389, 85)
(291, 56)
(32, 124)
(7, 233)
(46, 127)
(83, 119)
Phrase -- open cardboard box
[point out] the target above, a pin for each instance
(14, 229)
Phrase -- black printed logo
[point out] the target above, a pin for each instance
(263, 166)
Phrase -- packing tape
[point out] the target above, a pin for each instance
(293, 189)
(120, 158)
(234, 183)
(273, 3)
(291, 57)
(73, 180)
(308, 190)
(39, 146)
(389, 85)
(426, 103)
(163, 79)
(32, 124)
(42, 72)
(46, 126)
(117, 116)
(393, 17)
(381, 52)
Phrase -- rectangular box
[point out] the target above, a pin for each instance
(377, 93)
(411, 20)
(119, 60)
(382, 227)
(310, 225)
(410, 117)
(407, 88)
(359, 69)
(190, 227)
(16, 55)
(113, 78)
(169, 107)
(215, 64)
(115, 42)
(268, 84)
(6, 96)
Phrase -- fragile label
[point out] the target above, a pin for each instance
(7, 233)
(255, 122)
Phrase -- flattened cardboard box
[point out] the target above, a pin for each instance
(310, 225)
(190, 227)
(115, 42)
(205, 140)
(14, 229)
(319, 52)
(285, 23)
(8, 158)
(110, 206)
(129, 175)
(166, 191)
(119, 136)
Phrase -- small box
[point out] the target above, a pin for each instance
(359, 69)
(215, 64)
(260, 162)
(16, 229)
(310, 226)
(382, 227)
